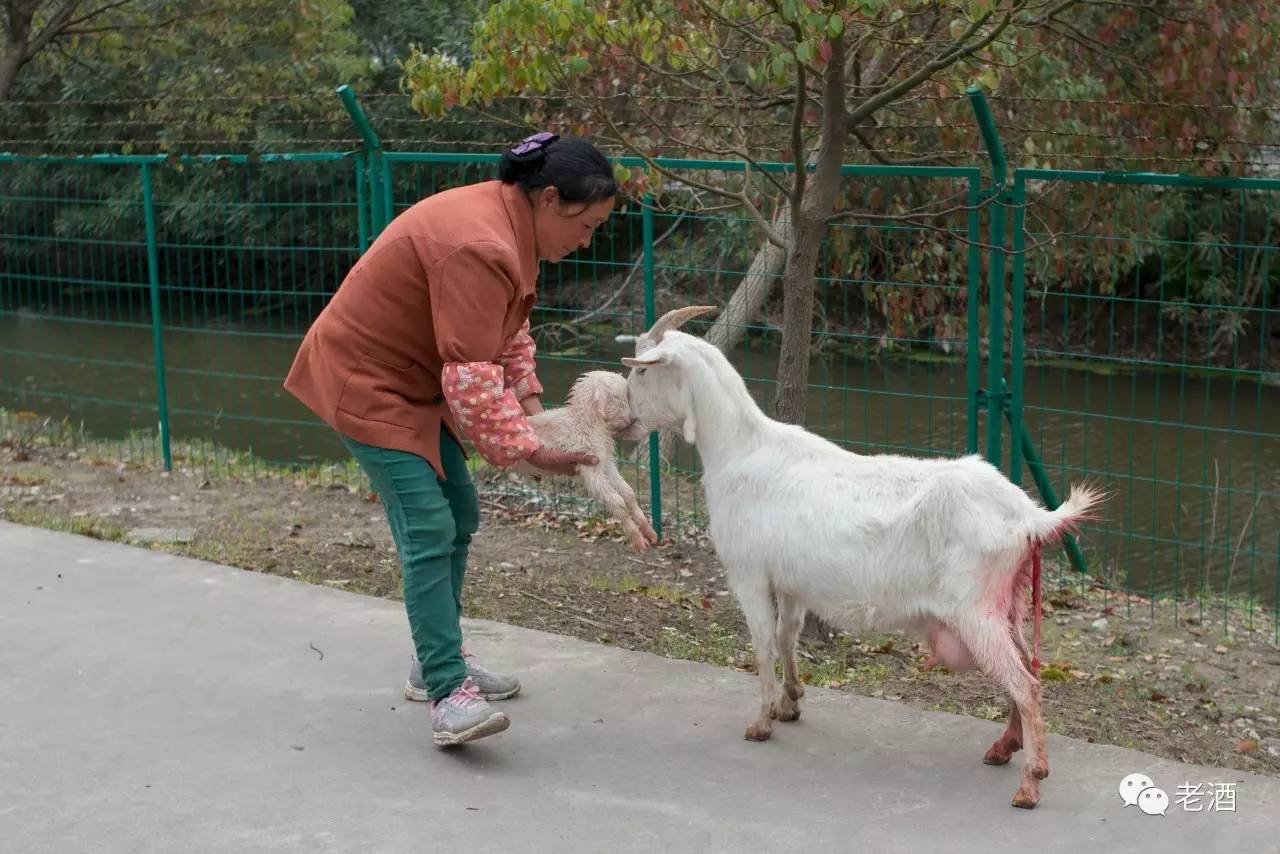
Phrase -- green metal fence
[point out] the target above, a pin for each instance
(160, 300)
(1165, 309)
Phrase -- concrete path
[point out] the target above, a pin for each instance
(154, 703)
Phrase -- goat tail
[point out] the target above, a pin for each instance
(1079, 507)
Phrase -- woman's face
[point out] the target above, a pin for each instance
(562, 228)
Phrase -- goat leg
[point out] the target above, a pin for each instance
(790, 622)
(757, 603)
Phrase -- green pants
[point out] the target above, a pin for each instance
(431, 522)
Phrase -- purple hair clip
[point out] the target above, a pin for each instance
(537, 142)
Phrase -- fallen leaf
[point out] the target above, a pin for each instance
(1157, 697)
(1246, 745)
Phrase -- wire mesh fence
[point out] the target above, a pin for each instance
(1159, 293)
(1140, 330)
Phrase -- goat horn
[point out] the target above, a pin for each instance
(676, 318)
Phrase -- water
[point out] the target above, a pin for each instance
(1193, 462)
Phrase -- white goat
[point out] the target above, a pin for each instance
(596, 412)
(946, 548)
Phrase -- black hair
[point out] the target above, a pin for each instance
(575, 167)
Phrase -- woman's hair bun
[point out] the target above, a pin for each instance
(526, 157)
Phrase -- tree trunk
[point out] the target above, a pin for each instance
(815, 199)
(750, 295)
(17, 42)
(797, 322)
(10, 62)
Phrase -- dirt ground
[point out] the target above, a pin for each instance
(1195, 688)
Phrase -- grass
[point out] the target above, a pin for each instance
(86, 526)
(715, 645)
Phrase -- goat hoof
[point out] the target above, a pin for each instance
(795, 692)
(1001, 752)
(1026, 798)
(757, 733)
(1040, 772)
(792, 714)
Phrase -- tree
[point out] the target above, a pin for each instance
(33, 26)
(388, 29)
(735, 79)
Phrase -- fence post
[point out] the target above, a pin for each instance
(362, 204)
(1000, 400)
(1017, 335)
(995, 281)
(650, 315)
(379, 186)
(157, 336)
(974, 356)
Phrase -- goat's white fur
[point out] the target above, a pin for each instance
(596, 413)
(941, 547)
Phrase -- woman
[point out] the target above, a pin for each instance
(426, 341)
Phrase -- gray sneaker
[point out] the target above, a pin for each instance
(493, 686)
(464, 716)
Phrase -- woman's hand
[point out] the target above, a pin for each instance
(560, 462)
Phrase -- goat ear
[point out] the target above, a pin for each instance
(690, 430)
(646, 360)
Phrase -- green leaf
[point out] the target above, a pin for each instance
(835, 26)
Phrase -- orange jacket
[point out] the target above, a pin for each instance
(429, 328)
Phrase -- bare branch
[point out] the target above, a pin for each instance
(797, 138)
(738, 195)
(88, 16)
(958, 51)
(876, 155)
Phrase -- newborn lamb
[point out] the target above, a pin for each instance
(597, 412)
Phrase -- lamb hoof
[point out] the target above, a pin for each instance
(757, 733)
(1026, 798)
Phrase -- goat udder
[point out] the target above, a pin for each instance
(949, 651)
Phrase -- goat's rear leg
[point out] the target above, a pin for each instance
(1002, 750)
(757, 606)
(1011, 741)
(790, 622)
(999, 656)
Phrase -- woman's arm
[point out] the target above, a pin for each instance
(470, 290)
(519, 365)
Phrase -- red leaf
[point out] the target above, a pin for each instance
(824, 51)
